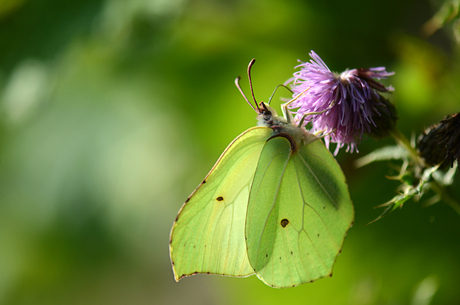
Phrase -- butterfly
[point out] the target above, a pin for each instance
(275, 204)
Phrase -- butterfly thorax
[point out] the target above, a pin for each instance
(284, 126)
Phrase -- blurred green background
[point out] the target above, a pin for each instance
(113, 111)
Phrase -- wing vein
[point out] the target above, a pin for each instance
(312, 208)
(317, 180)
(303, 219)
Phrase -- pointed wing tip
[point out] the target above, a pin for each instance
(177, 278)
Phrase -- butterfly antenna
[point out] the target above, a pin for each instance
(237, 84)
(274, 91)
(250, 82)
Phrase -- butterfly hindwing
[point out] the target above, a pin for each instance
(299, 211)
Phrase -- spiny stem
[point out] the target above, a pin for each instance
(435, 186)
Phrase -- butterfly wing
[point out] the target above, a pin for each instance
(299, 212)
(208, 234)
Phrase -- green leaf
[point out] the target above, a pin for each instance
(386, 153)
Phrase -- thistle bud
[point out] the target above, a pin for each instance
(441, 143)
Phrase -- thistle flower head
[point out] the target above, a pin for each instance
(441, 143)
(349, 100)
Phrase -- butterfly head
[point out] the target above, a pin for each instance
(267, 115)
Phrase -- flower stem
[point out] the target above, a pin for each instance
(404, 142)
(435, 186)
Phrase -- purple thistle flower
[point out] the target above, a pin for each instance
(351, 98)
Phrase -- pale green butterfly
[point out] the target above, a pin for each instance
(275, 204)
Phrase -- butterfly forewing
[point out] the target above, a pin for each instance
(208, 234)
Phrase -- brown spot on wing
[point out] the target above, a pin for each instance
(284, 222)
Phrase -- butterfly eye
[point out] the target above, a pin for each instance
(265, 110)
